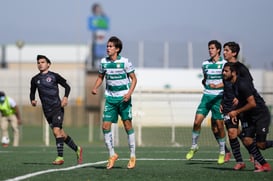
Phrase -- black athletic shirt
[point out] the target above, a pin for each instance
(242, 90)
(228, 94)
(47, 85)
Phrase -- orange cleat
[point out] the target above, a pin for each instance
(131, 163)
(239, 166)
(227, 157)
(111, 161)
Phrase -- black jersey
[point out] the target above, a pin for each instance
(242, 90)
(47, 85)
(244, 72)
(228, 95)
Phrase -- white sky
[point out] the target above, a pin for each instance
(65, 21)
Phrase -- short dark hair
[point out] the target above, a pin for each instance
(117, 43)
(43, 57)
(217, 45)
(2, 94)
(233, 66)
(234, 47)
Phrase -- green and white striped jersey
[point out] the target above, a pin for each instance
(213, 74)
(116, 76)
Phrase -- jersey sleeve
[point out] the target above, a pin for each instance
(32, 89)
(62, 81)
(129, 68)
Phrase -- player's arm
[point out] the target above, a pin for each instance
(97, 83)
(133, 78)
(245, 90)
(216, 86)
(204, 77)
(251, 103)
(66, 87)
(32, 92)
(17, 113)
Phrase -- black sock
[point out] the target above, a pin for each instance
(71, 143)
(235, 146)
(253, 149)
(60, 146)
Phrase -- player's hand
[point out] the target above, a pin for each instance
(233, 116)
(213, 86)
(94, 91)
(126, 97)
(34, 103)
(64, 102)
(19, 122)
(221, 108)
(235, 101)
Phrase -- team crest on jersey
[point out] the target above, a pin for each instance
(118, 65)
(38, 81)
(48, 79)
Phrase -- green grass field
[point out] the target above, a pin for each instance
(32, 161)
(153, 163)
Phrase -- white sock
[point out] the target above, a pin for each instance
(222, 146)
(108, 139)
(195, 137)
(132, 144)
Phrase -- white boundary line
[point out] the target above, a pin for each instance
(98, 163)
(54, 170)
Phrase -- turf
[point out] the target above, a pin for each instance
(153, 163)
(32, 160)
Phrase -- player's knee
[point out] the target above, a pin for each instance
(261, 145)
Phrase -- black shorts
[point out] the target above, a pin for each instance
(55, 118)
(256, 125)
(229, 124)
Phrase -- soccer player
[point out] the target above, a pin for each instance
(53, 107)
(211, 99)
(256, 116)
(229, 102)
(9, 112)
(120, 84)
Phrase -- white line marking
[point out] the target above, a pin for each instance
(102, 162)
(54, 170)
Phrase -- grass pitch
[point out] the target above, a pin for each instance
(153, 163)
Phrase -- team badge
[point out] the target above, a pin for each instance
(48, 79)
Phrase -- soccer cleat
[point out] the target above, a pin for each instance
(266, 167)
(258, 167)
(132, 163)
(239, 166)
(79, 155)
(111, 161)
(5, 145)
(191, 153)
(221, 159)
(58, 161)
(227, 157)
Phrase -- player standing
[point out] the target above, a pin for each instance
(211, 100)
(120, 84)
